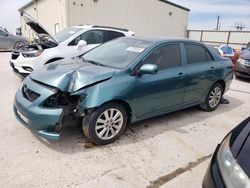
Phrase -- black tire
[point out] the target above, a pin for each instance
(89, 123)
(206, 105)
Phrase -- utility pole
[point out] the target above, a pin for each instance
(218, 23)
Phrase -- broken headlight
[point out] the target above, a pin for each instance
(61, 99)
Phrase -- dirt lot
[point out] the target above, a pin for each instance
(172, 150)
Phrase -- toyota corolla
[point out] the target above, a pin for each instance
(122, 81)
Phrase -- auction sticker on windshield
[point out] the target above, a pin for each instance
(135, 49)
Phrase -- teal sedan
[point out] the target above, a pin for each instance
(120, 82)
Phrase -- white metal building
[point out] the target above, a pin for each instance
(144, 17)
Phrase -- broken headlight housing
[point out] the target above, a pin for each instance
(60, 99)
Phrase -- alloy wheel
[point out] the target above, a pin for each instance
(109, 124)
(215, 97)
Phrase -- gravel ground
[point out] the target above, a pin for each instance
(152, 153)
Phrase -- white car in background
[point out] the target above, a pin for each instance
(68, 43)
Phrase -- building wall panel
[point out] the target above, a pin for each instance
(145, 17)
(236, 39)
(215, 36)
(48, 13)
(195, 35)
(51, 12)
(241, 37)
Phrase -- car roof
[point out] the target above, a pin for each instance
(101, 27)
(158, 39)
(3, 29)
(82, 26)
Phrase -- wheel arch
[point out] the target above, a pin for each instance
(220, 81)
(204, 105)
(124, 104)
(223, 84)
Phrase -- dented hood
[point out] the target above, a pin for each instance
(72, 74)
(36, 26)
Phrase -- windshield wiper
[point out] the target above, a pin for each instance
(92, 62)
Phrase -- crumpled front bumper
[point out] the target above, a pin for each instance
(40, 120)
(17, 72)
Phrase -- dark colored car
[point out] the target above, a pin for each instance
(242, 66)
(9, 41)
(122, 81)
(230, 164)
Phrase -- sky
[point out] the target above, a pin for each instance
(202, 15)
(9, 15)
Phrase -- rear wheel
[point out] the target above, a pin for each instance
(105, 124)
(213, 98)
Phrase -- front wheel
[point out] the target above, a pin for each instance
(213, 98)
(105, 124)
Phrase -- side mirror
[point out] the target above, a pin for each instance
(148, 69)
(81, 44)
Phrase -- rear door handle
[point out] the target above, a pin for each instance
(212, 68)
(181, 75)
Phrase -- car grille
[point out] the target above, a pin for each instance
(15, 55)
(247, 64)
(29, 94)
(244, 73)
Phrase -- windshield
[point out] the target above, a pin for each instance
(117, 53)
(66, 33)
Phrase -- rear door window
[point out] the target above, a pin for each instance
(113, 35)
(91, 37)
(197, 54)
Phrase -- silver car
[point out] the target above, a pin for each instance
(9, 41)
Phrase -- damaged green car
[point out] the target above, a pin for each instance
(122, 81)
